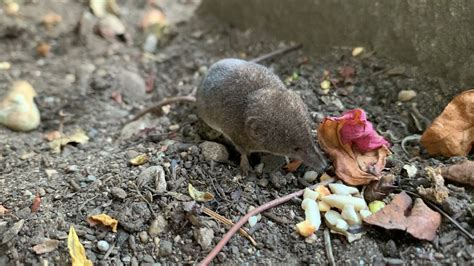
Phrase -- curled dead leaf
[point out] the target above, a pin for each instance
(438, 192)
(452, 132)
(78, 137)
(103, 219)
(139, 160)
(357, 151)
(152, 17)
(420, 222)
(199, 195)
(462, 172)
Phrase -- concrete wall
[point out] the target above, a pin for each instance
(437, 35)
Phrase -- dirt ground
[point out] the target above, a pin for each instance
(78, 82)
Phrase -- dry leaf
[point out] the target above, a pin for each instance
(139, 160)
(199, 195)
(103, 219)
(3, 210)
(462, 172)
(36, 203)
(76, 250)
(292, 166)
(437, 192)
(452, 133)
(379, 189)
(420, 222)
(79, 137)
(357, 151)
(47, 246)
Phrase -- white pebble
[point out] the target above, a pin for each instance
(103, 245)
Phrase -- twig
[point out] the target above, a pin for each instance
(409, 138)
(327, 243)
(251, 213)
(276, 52)
(166, 101)
(434, 206)
(226, 221)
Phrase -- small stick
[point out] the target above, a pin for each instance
(226, 221)
(276, 52)
(327, 243)
(166, 101)
(251, 213)
(434, 206)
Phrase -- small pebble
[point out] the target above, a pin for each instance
(103, 245)
(166, 248)
(126, 259)
(143, 235)
(148, 258)
(204, 237)
(213, 151)
(91, 178)
(118, 192)
(310, 176)
(157, 226)
(134, 262)
(406, 95)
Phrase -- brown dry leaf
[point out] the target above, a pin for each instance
(103, 219)
(47, 246)
(462, 172)
(292, 166)
(438, 192)
(36, 203)
(199, 195)
(377, 190)
(452, 132)
(352, 165)
(3, 210)
(420, 222)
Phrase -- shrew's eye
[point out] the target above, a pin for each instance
(296, 149)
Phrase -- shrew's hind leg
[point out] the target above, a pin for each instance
(244, 164)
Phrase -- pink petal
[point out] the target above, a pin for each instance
(357, 131)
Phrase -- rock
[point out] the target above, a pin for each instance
(18, 110)
(143, 235)
(214, 151)
(155, 172)
(134, 127)
(406, 95)
(103, 245)
(131, 86)
(148, 258)
(166, 248)
(204, 237)
(310, 176)
(118, 192)
(157, 226)
(150, 43)
(126, 259)
(134, 261)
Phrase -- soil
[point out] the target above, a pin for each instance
(78, 82)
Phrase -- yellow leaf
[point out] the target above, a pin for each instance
(199, 195)
(76, 250)
(103, 219)
(140, 159)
